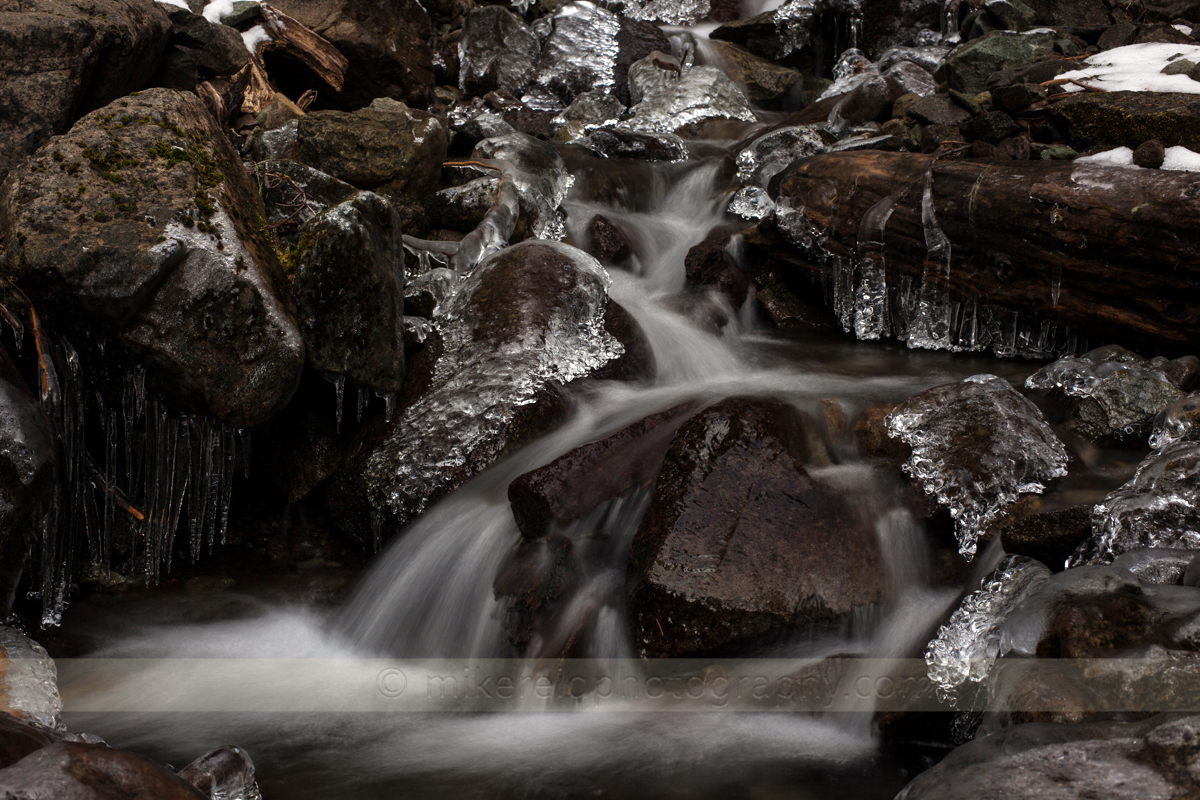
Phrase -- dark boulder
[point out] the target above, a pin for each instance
(60, 59)
(350, 293)
(607, 241)
(636, 39)
(497, 51)
(198, 49)
(969, 66)
(1048, 536)
(1104, 120)
(767, 83)
(573, 484)
(386, 43)
(73, 771)
(143, 226)
(740, 542)
(711, 264)
(387, 148)
(18, 739)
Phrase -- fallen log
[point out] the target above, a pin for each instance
(316, 53)
(1022, 258)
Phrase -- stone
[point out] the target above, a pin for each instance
(1119, 35)
(278, 112)
(740, 542)
(1012, 14)
(1162, 33)
(710, 264)
(527, 321)
(141, 226)
(681, 102)
(199, 48)
(607, 241)
(497, 51)
(1048, 536)
(911, 78)
(294, 194)
(29, 681)
(461, 208)
(991, 127)
(535, 575)
(60, 59)
(1149, 154)
(74, 771)
(969, 67)
(1122, 406)
(349, 292)
(1182, 66)
(225, 772)
(1104, 120)
(28, 461)
(777, 35)
(1118, 760)
(18, 739)
(1017, 97)
(616, 142)
(936, 110)
(767, 83)
(568, 488)
(636, 39)
(384, 41)
(429, 290)
(579, 55)
(1153, 566)
(387, 148)
(871, 436)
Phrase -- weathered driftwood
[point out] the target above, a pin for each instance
(316, 53)
(1109, 251)
(259, 93)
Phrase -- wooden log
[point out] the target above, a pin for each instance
(1108, 251)
(316, 53)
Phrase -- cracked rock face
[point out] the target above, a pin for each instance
(143, 225)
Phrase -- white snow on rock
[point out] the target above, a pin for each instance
(176, 3)
(1136, 68)
(254, 37)
(1177, 158)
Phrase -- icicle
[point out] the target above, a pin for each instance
(230, 447)
(364, 397)
(110, 500)
(389, 404)
(1055, 283)
(213, 477)
(245, 437)
(339, 385)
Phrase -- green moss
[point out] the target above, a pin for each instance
(109, 166)
(57, 155)
(100, 216)
(207, 172)
(72, 168)
(205, 204)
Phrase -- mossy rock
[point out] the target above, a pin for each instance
(1104, 120)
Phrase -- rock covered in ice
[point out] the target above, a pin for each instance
(1158, 507)
(751, 202)
(967, 646)
(528, 316)
(976, 446)
(677, 100)
(226, 773)
(1177, 423)
(775, 34)
(912, 78)
(539, 175)
(594, 109)
(770, 153)
(928, 58)
(1120, 392)
(620, 142)
(579, 55)
(29, 679)
(672, 12)
(497, 51)
(1156, 565)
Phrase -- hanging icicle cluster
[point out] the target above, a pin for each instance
(156, 463)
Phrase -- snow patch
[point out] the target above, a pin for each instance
(254, 37)
(1136, 68)
(1176, 158)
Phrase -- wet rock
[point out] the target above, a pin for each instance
(711, 264)
(387, 148)
(534, 576)
(349, 293)
(680, 102)
(198, 48)
(1157, 507)
(1048, 536)
(429, 290)
(528, 319)
(141, 225)
(462, 208)
(607, 242)
(73, 771)
(870, 101)
(1104, 120)
(887, 24)
(739, 541)
(977, 445)
(767, 84)
(1162, 33)
(1103, 759)
(384, 41)
(294, 194)
(27, 473)
(1156, 565)
(1118, 35)
(622, 143)
(911, 78)
(537, 171)
(636, 39)
(1083, 13)
(417, 332)
(497, 51)
(18, 739)
(29, 680)
(1177, 423)
(594, 109)
(771, 153)
(786, 33)
(61, 58)
(1017, 97)
(871, 436)
(572, 485)
(991, 126)
(579, 55)
(969, 67)
(1149, 154)
(936, 110)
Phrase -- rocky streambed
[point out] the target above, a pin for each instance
(679, 337)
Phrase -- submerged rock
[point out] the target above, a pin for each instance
(350, 293)
(1158, 507)
(226, 772)
(977, 445)
(62, 58)
(1156, 565)
(529, 318)
(142, 225)
(740, 541)
(1118, 760)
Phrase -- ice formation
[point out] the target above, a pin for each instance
(967, 646)
(226, 773)
(1136, 68)
(772, 152)
(672, 12)
(751, 202)
(1158, 507)
(579, 55)
(29, 681)
(477, 387)
(1177, 423)
(977, 446)
(668, 102)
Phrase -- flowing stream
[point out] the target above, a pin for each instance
(429, 592)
